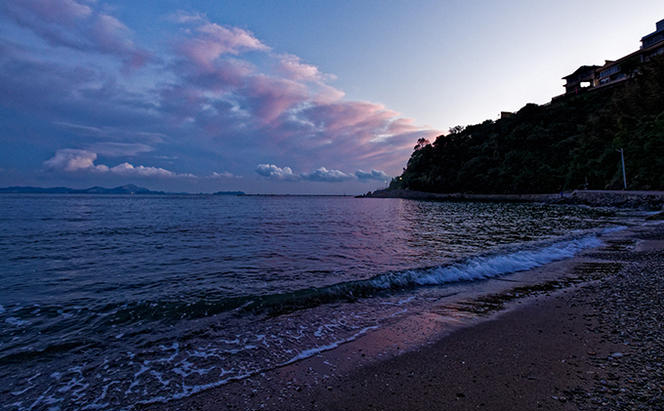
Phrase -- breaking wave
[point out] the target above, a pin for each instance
(471, 269)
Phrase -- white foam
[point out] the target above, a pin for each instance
(317, 350)
(141, 371)
(613, 229)
(484, 267)
(406, 300)
(397, 313)
(160, 377)
(16, 322)
(188, 390)
(16, 393)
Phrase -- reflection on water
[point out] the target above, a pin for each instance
(107, 301)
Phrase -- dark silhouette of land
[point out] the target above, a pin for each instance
(568, 144)
(125, 189)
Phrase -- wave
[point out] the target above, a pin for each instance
(470, 269)
(307, 353)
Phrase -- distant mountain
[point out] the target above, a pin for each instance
(125, 189)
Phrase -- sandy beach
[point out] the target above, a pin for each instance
(331, 205)
(586, 335)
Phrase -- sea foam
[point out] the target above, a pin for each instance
(484, 267)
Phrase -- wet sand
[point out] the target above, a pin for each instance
(590, 338)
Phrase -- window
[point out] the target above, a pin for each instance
(609, 71)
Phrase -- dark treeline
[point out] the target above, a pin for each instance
(569, 144)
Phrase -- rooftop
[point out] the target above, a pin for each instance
(580, 70)
(659, 30)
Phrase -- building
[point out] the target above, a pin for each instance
(583, 77)
(614, 71)
(653, 43)
(655, 37)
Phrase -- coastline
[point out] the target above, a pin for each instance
(648, 200)
(548, 345)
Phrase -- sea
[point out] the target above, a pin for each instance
(108, 302)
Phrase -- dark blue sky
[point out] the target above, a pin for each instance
(283, 97)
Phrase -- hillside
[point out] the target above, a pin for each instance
(126, 189)
(568, 144)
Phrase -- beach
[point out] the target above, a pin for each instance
(290, 205)
(123, 307)
(589, 337)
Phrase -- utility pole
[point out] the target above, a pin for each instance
(622, 160)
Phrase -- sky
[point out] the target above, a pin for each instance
(301, 97)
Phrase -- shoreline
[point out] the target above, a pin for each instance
(647, 200)
(354, 374)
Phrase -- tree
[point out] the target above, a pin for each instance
(567, 144)
(421, 143)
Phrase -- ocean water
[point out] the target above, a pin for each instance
(109, 301)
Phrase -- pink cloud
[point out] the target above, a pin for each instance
(53, 11)
(112, 36)
(72, 24)
(224, 74)
(351, 116)
(213, 41)
(357, 134)
(213, 101)
(270, 97)
(326, 94)
(291, 67)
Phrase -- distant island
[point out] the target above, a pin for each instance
(125, 189)
(571, 143)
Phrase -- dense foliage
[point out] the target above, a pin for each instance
(569, 144)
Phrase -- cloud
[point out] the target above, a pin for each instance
(74, 160)
(114, 133)
(223, 174)
(64, 12)
(72, 24)
(213, 40)
(372, 175)
(221, 96)
(126, 169)
(321, 174)
(184, 17)
(330, 176)
(292, 110)
(113, 37)
(275, 172)
(111, 149)
(268, 97)
(292, 67)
